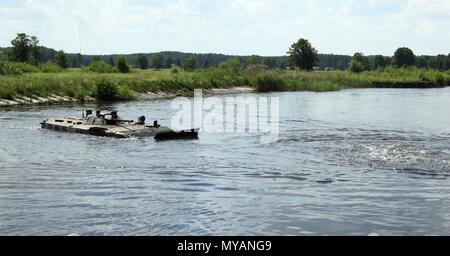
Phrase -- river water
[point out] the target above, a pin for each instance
(353, 162)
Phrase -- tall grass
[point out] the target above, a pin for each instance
(336, 80)
(76, 84)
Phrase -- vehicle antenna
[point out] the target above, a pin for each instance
(80, 56)
(81, 61)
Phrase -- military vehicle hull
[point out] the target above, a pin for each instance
(117, 130)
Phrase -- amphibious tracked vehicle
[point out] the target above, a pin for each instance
(111, 125)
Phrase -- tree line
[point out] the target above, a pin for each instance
(301, 54)
(304, 56)
(403, 57)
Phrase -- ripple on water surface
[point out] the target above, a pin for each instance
(354, 162)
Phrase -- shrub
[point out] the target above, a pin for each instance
(26, 68)
(356, 66)
(115, 70)
(9, 68)
(124, 93)
(175, 69)
(439, 80)
(106, 90)
(232, 65)
(50, 67)
(122, 65)
(100, 67)
(3, 57)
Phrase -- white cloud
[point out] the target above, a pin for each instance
(240, 26)
(254, 6)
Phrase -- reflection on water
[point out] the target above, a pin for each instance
(353, 162)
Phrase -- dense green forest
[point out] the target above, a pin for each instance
(203, 60)
(206, 60)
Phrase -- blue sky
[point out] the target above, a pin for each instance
(243, 27)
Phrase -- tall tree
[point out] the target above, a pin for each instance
(3, 57)
(189, 64)
(440, 62)
(363, 60)
(34, 50)
(379, 62)
(20, 47)
(448, 61)
(122, 65)
(359, 63)
(404, 57)
(80, 60)
(62, 59)
(73, 62)
(341, 65)
(270, 62)
(169, 62)
(252, 60)
(206, 63)
(111, 61)
(142, 61)
(422, 61)
(157, 61)
(302, 54)
(76, 60)
(284, 64)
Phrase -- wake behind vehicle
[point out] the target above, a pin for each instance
(111, 125)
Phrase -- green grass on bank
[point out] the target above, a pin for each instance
(337, 80)
(123, 86)
(116, 86)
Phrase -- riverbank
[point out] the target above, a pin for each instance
(58, 99)
(75, 86)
